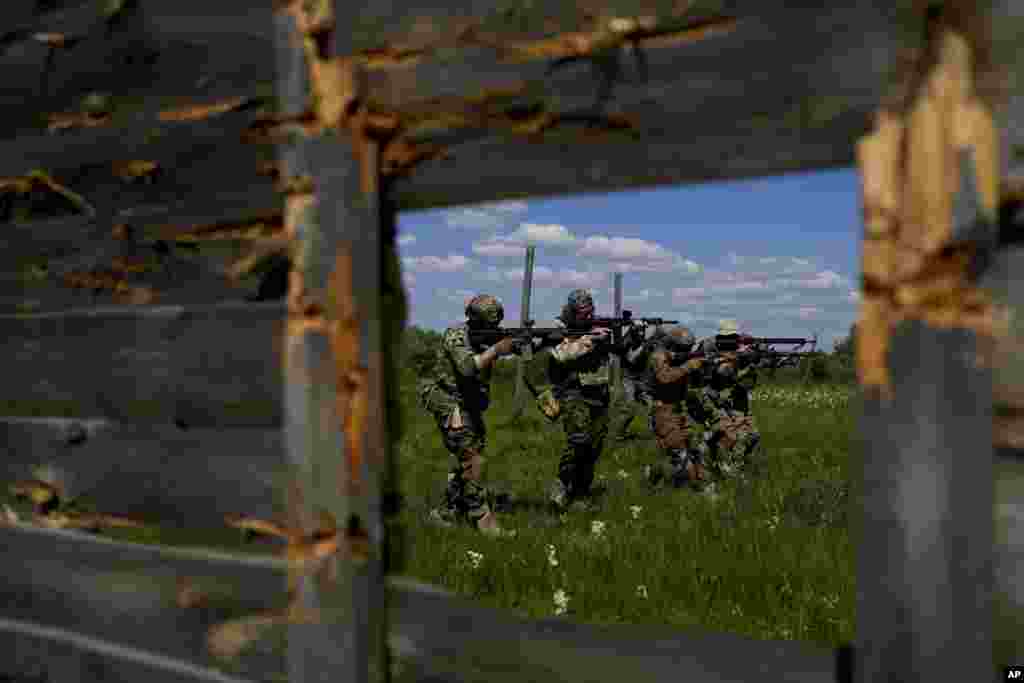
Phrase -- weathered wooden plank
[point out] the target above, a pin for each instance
(42, 653)
(105, 589)
(202, 366)
(930, 197)
(210, 248)
(149, 472)
(166, 49)
(414, 27)
(88, 155)
(465, 175)
(928, 564)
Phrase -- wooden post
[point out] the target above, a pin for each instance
(335, 412)
(925, 539)
(616, 363)
(519, 398)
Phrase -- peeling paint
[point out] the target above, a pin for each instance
(911, 171)
(137, 170)
(351, 375)
(198, 112)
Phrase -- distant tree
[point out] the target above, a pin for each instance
(843, 347)
(419, 349)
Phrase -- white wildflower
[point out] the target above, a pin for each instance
(561, 601)
(641, 591)
(636, 510)
(552, 559)
(475, 558)
(597, 528)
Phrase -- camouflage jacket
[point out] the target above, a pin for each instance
(730, 380)
(684, 383)
(456, 373)
(579, 366)
(636, 360)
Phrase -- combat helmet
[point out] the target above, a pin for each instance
(580, 304)
(484, 309)
(728, 328)
(679, 338)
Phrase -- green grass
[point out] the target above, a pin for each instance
(770, 559)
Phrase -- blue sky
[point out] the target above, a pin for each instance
(780, 254)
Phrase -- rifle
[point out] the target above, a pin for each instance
(759, 349)
(550, 336)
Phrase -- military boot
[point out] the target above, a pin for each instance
(558, 496)
(687, 470)
(488, 525)
(443, 517)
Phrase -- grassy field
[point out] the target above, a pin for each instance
(769, 559)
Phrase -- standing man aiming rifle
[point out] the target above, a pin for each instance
(457, 397)
(579, 372)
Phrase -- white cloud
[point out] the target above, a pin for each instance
(632, 255)
(825, 279)
(484, 217)
(406, 239)
(437, 264)
(408, 279)
(551, 233)
(498, 248)
(808, 312)
(513, 244)
(510, 206)
(565, 277)
(474, 219)
(642, 295)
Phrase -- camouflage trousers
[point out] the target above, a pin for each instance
(634, 393)
(731, 442)
(464, 436)
(674, 433)
(585, 421)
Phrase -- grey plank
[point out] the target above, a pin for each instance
(316, 442)
(196, 271)
(468, 173)
(106, 589)
(925, 569)
(41, 653)
(127, 594)
(166, 49)
(699, 112)
(204, 366)
(83, 158)
(174, 477)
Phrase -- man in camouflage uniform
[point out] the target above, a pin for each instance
(457, 397)
(580, 394)
(675, 383)
(733, 435)
(636, 385)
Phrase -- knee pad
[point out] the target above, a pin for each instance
(579, 440)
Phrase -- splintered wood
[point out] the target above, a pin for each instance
(913, 267)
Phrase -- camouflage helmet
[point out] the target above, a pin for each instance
(678, 337)
(581, 303)
(484, 308)
(96, 103)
